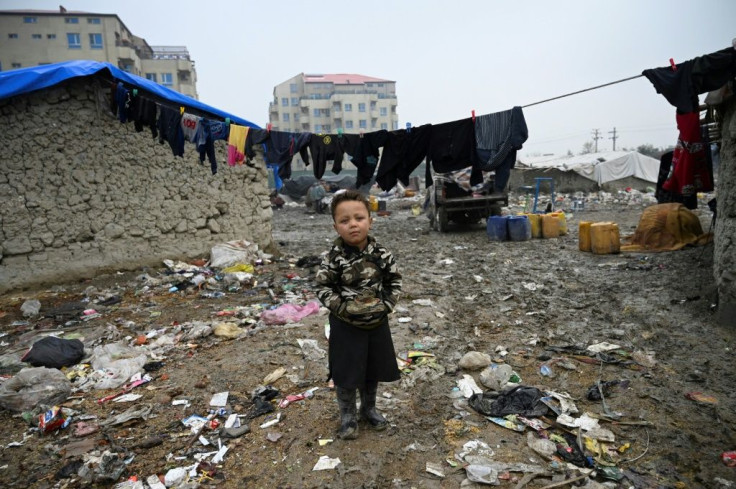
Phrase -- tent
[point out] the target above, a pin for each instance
(610, 170)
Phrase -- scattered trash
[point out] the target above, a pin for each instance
(274, 376)
(701, 398)
(326, 463)
(435, 469)
(34, 386)
(475, 360)
(289, 313)
(311, 349)
(729, 458)
(30, 308)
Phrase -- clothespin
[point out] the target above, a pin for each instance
(408, 127)
(268, 127)
(227, 121)
(472, 114)
(673, 65)
(361, 134)
(339, 132)
(181, 110)
(135, 92)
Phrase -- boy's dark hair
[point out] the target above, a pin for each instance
(350, 194)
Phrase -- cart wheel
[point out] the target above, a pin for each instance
(440, 220)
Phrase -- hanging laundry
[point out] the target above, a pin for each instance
(497, 138)
(190, 127)
(402, 153)
(169, 130)
(143, 113)
(122, 102)
(209, 132)
(681, 87)
(323, 148)
(690, 173)
(364, 150)
(236, 144)
(452, 147)
(280, 148)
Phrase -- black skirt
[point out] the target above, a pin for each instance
(357, 356)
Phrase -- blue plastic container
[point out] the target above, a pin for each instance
(496, 228)
(519, 228)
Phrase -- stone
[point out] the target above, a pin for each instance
(213, 226)
(17, 246)
(114, 231)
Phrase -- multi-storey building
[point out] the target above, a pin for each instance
(38, 37)
(332, 103)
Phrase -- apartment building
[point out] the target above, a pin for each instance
(328, 103)
(38, 37)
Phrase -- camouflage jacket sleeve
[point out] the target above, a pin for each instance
(327, 284)
(391, 281)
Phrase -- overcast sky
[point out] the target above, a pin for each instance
(447, 58)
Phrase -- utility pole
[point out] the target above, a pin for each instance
(596, 137)
(614, 137)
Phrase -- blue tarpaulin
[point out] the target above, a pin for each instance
(25, 80)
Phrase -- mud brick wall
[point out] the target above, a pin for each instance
(725, 236)
(81, 193)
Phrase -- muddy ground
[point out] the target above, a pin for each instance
(524, 303)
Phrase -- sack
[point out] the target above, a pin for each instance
(53, 352)
(33, 386)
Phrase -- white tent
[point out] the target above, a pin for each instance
(606, 170)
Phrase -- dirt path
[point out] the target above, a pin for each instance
(527, 304)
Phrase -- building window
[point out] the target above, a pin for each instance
(166, 79)
(317, 128)
(380, 85)
(327, 127)
(361, 107)
(30, 20)
(151, 76)
(50, 36)
(396, 125)
(348, 124)
(384, 126)
(284, 102)
(348, 107)
(73, 41)
(72, 20)
(315, 112)
(15, 65)
(362, 124)
(383, 111)
(36, 36)
(12, 36)
(292, 88)
(95, 41)
(294, 101)
(93, 20)
(285, 117)
(296, 117)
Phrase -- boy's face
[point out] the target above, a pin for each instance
(352, 223)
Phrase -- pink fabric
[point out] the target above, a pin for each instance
(289, 313)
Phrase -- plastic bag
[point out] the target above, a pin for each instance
(233, 253)
(118, 363)
(33, 386)
(289, 313)
(53, 352)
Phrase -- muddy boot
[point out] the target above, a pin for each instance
(368, 407)
(348, 419)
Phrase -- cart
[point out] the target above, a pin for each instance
(448, 202)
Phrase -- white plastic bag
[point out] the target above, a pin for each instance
(33, 386)
(117, 363)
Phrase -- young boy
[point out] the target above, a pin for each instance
(359, 282)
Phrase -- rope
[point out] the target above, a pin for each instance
(581, 91)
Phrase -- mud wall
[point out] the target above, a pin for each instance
(724, 259)
(81, 193)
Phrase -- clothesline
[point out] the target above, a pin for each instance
(581, 91)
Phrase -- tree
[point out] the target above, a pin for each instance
(649, 150)
(569, 153)
(587, 148)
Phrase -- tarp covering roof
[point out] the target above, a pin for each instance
(601, 167)
(25, 80)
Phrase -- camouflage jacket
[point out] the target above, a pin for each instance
(360, 287)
